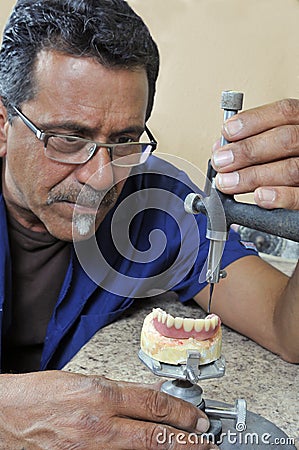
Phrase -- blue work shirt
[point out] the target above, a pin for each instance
(146, 242)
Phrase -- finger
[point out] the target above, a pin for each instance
(136, 435)
(143, 403)
(217, 145)
(159, 407)
(280, 173)
(277, 197)
(273, 145)
(253, 121)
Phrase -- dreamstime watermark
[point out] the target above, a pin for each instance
(153, 262)
(230, 437)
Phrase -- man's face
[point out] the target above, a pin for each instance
(75, 96)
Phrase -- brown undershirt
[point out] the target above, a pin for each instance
(39, 264)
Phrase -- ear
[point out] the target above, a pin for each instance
(4, 124)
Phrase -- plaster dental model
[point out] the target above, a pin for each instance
(167, 339)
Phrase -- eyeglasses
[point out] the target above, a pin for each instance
(76, 150)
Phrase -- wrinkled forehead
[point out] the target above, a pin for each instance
(82, 88)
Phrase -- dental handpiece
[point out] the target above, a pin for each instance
(217, 228)
(223, 210)
(231, 103)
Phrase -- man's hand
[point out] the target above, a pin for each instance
(59, 410)
(263, 156)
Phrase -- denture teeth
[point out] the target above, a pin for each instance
(169, 321)
(178, 322)
(188, 324)
(207, 324)
(163, 317)
(214, 322)
(199, 324)
(155, 313)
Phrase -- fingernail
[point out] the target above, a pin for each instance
(202, 425)
(266, 195)
(223, 158)
(233, 126)
(228, 180)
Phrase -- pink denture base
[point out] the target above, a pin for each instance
(180, 333)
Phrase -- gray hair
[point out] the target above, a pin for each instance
(106, 30)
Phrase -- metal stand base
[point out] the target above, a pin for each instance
(232, 427)
(259, 434)
(215, 429)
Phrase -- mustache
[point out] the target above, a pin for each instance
(85, 196)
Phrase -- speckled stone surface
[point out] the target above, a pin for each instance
(269, 385)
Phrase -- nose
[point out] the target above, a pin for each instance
(97, 172)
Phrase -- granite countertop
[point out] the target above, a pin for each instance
(269, 385)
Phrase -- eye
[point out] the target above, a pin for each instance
(125, 140)
(66, 144)
(69, 138)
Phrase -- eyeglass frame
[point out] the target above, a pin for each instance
(44, 137)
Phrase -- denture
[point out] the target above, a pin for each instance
(184, 328)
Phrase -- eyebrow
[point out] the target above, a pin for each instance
(75, 127)
(69, 126)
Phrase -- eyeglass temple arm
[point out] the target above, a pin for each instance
(151, 136)
(38, 133)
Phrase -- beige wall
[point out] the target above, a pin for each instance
(210, 45)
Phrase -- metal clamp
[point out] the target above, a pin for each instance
(191, 371)
(238, 412)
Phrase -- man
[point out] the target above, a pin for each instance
(77, 83)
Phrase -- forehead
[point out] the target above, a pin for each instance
(69, 85)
